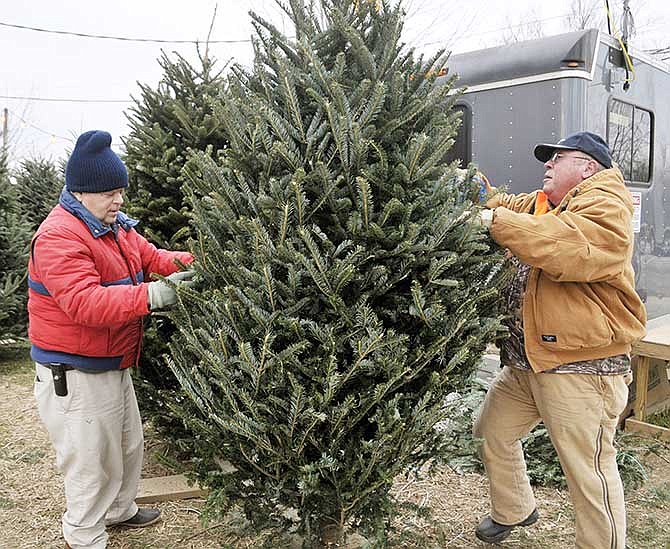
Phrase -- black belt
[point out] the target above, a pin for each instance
(65, 367)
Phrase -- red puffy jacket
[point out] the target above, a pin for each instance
(87, 294)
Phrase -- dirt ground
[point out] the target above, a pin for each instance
(32, 502)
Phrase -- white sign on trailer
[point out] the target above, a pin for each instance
(637, 210)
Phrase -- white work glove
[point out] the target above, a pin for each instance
(486, 218)
(482, 217)
(162, 294)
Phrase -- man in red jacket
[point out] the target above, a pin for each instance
(89, 287)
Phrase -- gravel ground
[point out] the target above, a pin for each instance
(32, 502)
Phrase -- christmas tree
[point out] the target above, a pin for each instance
(344, 288)
(39, 182)
(165, 123)
(15, 236)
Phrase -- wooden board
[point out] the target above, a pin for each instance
(167, 488)
(635, 426)
(656, 344)
(642, 373)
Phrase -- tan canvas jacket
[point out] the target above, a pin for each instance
(580, 301)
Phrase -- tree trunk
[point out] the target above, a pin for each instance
(331, 536)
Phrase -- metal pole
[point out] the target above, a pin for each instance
(627, 23)
(5, 116)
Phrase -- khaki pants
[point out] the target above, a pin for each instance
(96, 431)
(580, 412)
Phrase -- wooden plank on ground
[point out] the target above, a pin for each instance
(167, 488)
(635, 426)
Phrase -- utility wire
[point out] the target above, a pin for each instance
(64, 100)
(123, 38)
(659, 50)
(50, 134)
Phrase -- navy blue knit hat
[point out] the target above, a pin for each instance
(93, 167)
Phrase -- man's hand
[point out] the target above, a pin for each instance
(486, 217)
(182, 277)
(482, 217)
(162, 294)
(484, 186)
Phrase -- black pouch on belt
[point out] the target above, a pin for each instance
(60, 379)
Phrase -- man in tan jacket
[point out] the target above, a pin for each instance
(573, 313)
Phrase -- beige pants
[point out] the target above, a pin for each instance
(580, 413)
(96, 431)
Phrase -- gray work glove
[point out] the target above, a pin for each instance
(162, 294)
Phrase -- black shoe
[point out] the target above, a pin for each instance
(492, 532)
(144, 517)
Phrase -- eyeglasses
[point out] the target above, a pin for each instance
(557, 155)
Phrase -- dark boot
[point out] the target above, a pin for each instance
(491, 531)
(144, 517)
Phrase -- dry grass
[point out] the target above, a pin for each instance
(32, 501)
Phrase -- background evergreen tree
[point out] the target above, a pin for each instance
(165, 123)
(344, 289)
(39, 182)
(15, 233)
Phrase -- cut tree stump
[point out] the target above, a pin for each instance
(168, 488)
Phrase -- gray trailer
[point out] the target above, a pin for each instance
(541, 90)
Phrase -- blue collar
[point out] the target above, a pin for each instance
(97, 227)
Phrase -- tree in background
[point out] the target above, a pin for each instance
(586, 14)
(15, 234)
(39, 182)
(165, 124)
(344, 289)
(530, 29)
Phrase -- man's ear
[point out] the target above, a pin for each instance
(590, 168)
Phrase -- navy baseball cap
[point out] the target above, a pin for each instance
(586, 142)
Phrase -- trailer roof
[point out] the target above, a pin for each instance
(573, 51)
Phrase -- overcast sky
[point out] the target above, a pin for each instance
(93, 78)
